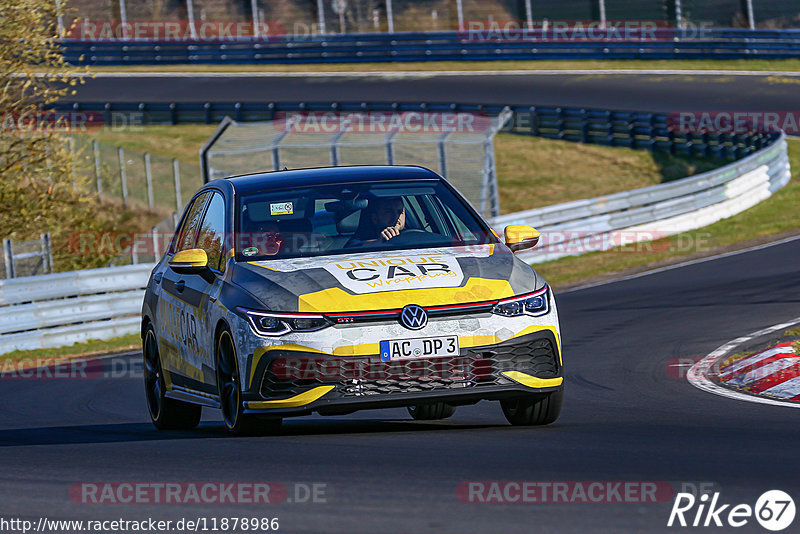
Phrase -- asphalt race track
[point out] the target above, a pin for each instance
(637, 92)
(627, 417)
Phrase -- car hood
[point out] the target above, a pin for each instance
(387, 280)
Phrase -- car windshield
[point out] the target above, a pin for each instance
(349, 218)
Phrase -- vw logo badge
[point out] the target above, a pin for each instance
(413, 317)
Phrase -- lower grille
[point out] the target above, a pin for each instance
(369, 376)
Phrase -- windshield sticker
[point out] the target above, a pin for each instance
(392, 273)
(281, 208)
(252, 251)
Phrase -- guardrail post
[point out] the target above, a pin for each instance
(123, 178)
(60, 18)
(390, 16)
(123, 18)
(751, 20)
(529, 14)
(602, 4)
(8, 255)
(96, 150)
(47, 253)
(442, 152)
(190, 16)
(149, 177)
(176, 176)
(156, 247)
(390, 147)
(321, 17)
(71, 143)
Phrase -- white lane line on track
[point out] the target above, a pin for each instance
(681, 265)
(698, 374)
(428, 74)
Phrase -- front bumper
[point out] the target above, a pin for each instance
(297, 382)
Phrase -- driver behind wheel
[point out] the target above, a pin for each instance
(382, 220)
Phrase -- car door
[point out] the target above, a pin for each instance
(180, 310)
(204, 290)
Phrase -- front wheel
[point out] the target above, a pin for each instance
(541, 409)
(230, 393)
(166, 414)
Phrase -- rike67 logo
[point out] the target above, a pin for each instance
(774, 510)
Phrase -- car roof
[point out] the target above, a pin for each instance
(328, 175)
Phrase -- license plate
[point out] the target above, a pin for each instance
(409, 349)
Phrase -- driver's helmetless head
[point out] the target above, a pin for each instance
(388, 212)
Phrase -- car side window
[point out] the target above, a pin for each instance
(187, 236)
(212, 232)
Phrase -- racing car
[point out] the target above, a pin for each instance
(332, 290)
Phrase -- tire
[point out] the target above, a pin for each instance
(430, 412)
(533, 410)
(166, 414)
(230, 394)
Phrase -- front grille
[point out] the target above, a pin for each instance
(369, 376)
(535, 357)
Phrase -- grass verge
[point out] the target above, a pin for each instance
(19, 359)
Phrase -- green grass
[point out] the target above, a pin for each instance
(78, 350)
(775, 216)
(788, 65)
(182, 141)
(534, 171)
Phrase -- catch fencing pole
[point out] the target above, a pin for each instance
(97, 173)
(123, 177)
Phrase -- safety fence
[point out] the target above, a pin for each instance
(269, 17)
(134, 178)
(27, 258)
(467, 45)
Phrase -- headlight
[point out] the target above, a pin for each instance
(277, 324)
(536, 303)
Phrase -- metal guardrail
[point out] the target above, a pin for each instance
(656, 211)
(65, 308)
(440, 46)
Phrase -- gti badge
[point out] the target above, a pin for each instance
(413, 317)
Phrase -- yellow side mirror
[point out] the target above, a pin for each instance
(520, 237)
(191, 261)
